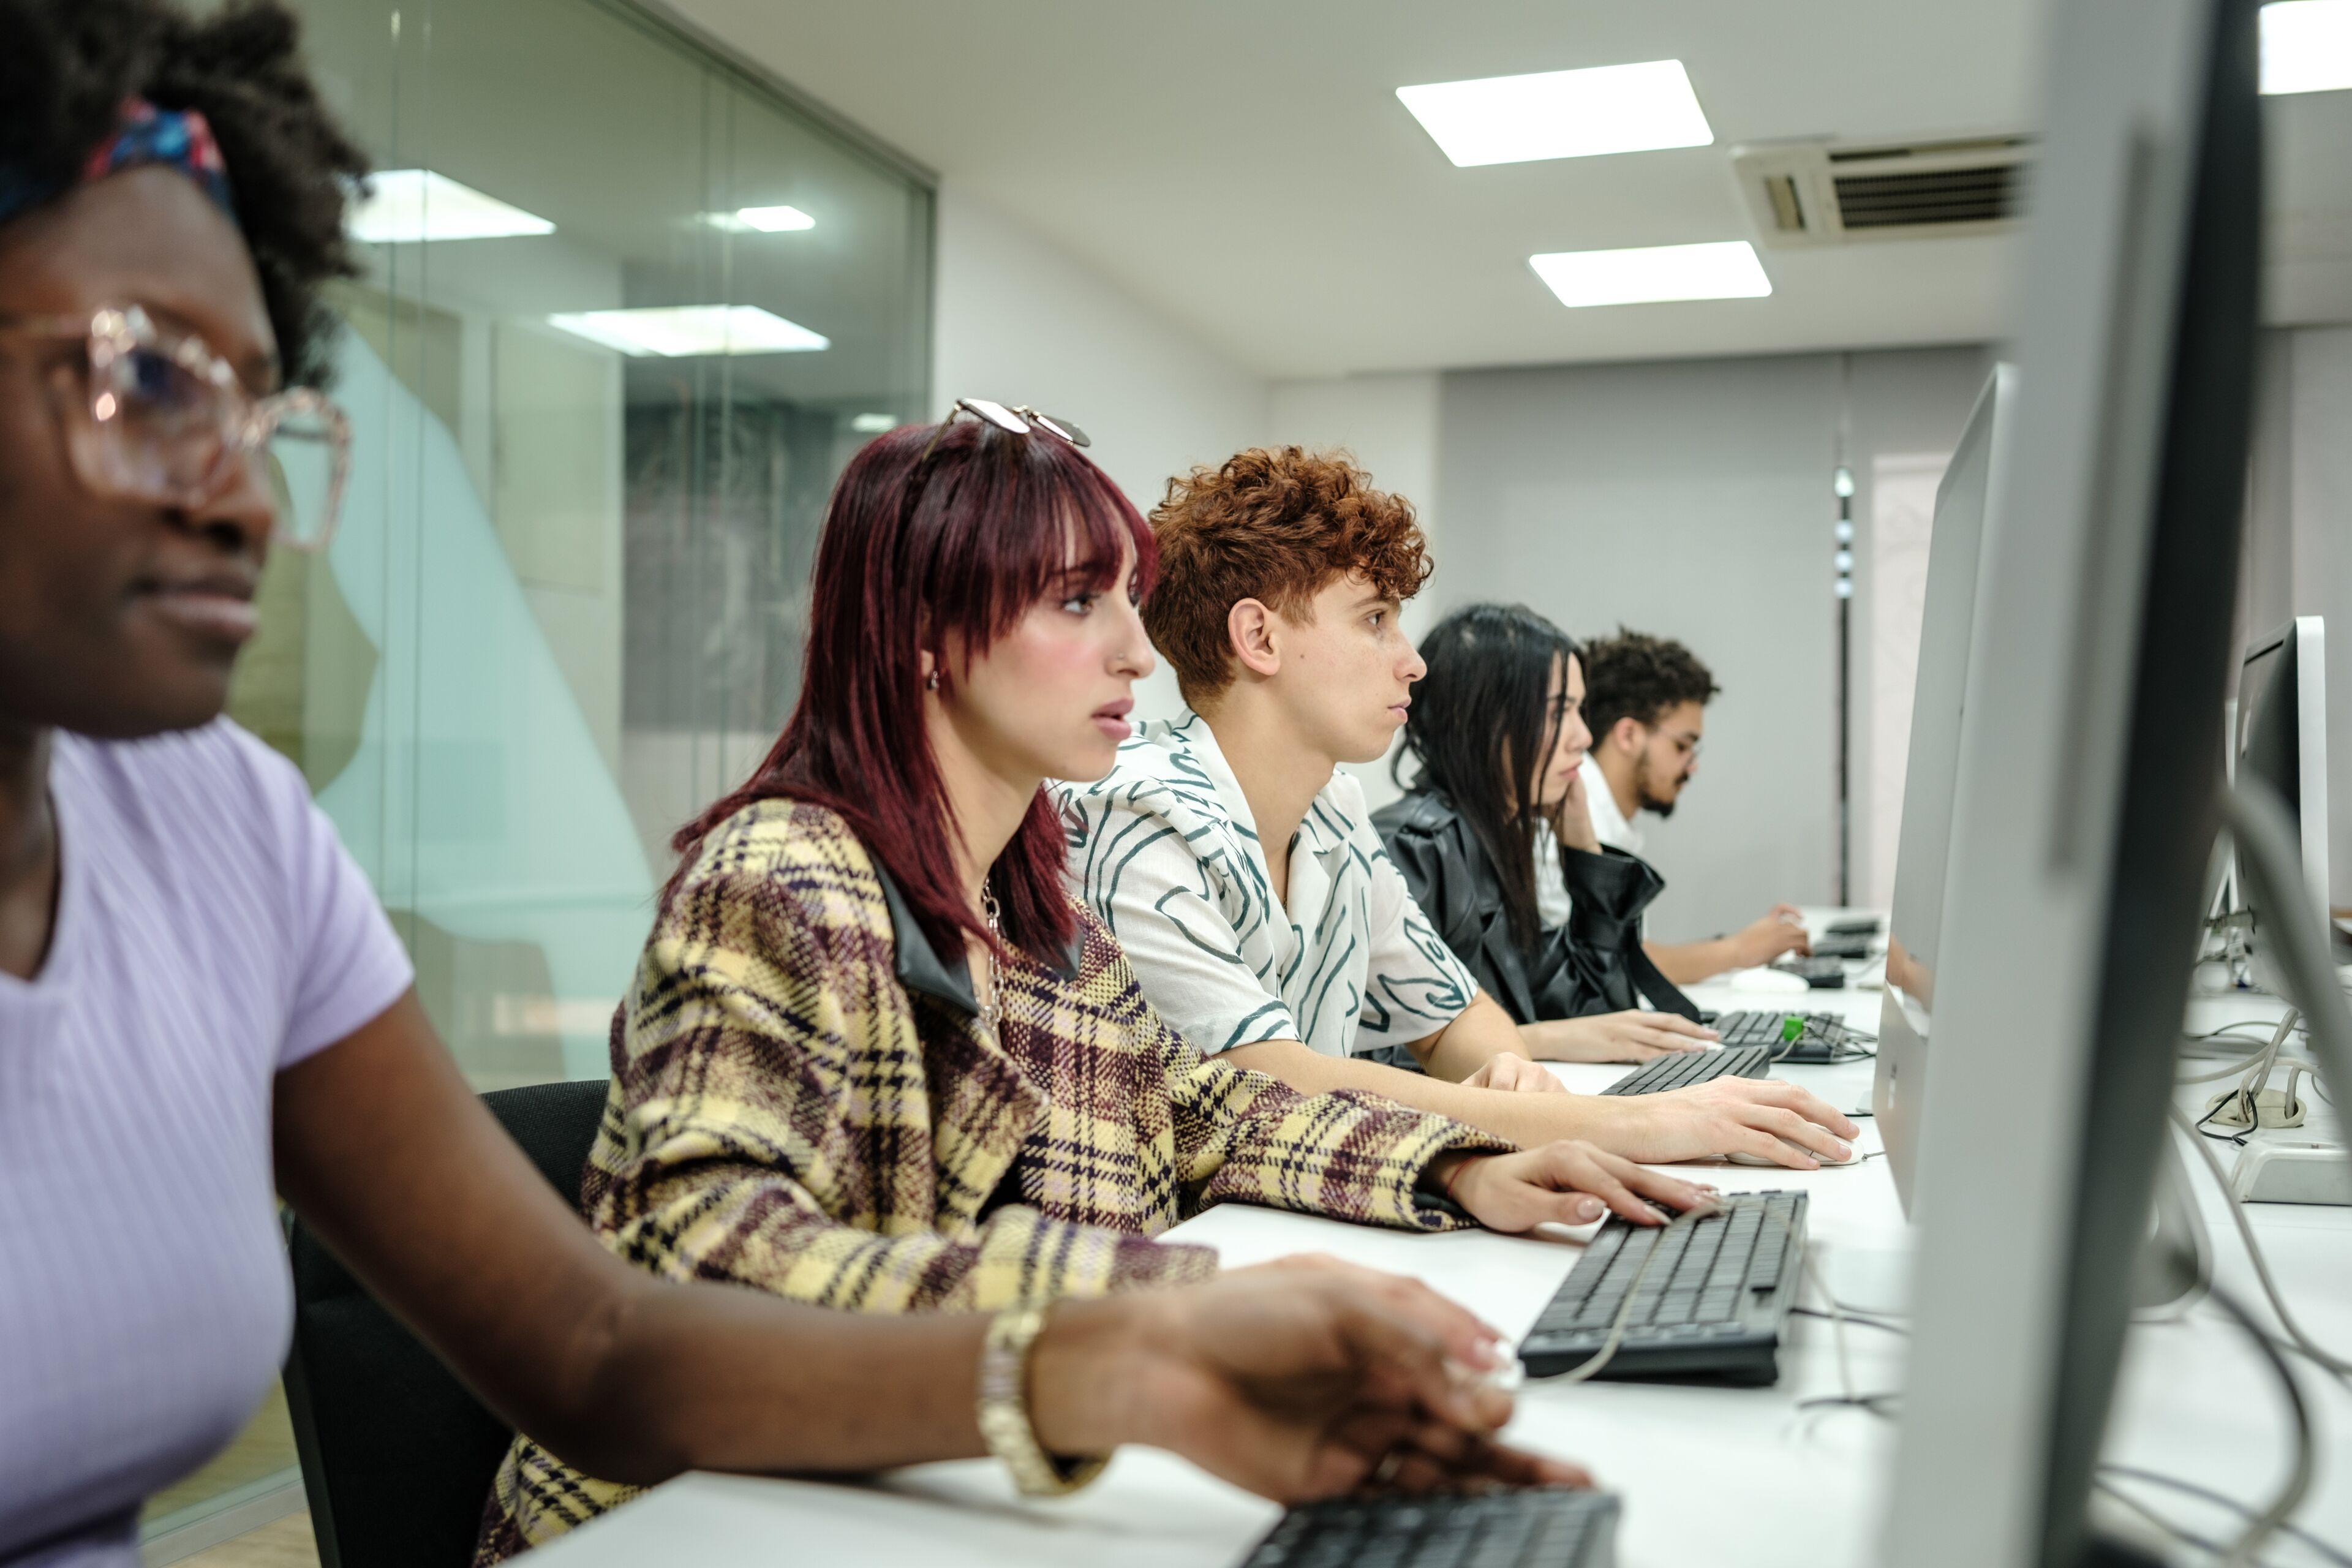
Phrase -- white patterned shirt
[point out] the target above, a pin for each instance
(1165, 851)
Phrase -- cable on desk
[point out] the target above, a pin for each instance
(2298, 1481)
(1592, 1364)
(2206, 1494)
(1851, 1317)
(2164, 1526)
(2334, 1364)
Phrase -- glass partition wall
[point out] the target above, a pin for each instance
(626, 311)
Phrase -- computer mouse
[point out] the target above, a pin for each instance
(1763, 979)
(1740, 1157)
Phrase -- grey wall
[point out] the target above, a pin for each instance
(1693, 499)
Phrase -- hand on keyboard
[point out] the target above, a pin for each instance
(1307, 1378)
(1761, 941)
(1508, 1070)
(1632, 1036)
(1727, 1115)
(1568, 1182)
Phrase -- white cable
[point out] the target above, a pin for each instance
(2298, 1481)
(2253, 1251)
(1592, 1364)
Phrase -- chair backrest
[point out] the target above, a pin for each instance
(397, 1455)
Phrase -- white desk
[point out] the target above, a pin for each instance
(1708, 1475)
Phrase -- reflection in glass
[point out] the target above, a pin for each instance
(625, 314)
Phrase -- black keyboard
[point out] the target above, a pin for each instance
(1546, 1528)
(1710, 1305)
(1855, 945)
(1680, 1069)
(1821, 974)
(1803, 1037)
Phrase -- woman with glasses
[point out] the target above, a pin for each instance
(1497, 730)
(876, 1056)
(201, 1006)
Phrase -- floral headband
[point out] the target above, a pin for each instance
(143, 134)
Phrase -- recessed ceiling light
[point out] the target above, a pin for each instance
(1560, 114)
(774, 220)
(413, 206)
(872, 424)
(674, 331)
(2307, 46)
(1722, 270)
(759, 220)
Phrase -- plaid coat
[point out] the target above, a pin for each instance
(802, 1101)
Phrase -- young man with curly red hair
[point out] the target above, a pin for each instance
(1239, 867)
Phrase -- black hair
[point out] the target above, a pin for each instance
(1635, 675)
(1482, 725)
(66, 66)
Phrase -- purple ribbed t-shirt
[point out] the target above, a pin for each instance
(210, 932)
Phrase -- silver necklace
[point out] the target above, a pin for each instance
(991, 1007)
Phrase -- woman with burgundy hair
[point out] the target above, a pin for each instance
(875, 1056)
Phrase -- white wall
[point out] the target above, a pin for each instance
(1022, 322)
(1389, 424)
(1911, 403)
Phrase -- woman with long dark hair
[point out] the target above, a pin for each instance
(1495, 730)
(876, 1056)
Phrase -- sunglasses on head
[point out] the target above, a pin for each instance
(1018, 418)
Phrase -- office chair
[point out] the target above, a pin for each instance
(397, 1455)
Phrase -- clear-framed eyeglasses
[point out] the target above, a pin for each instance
(1018, 418)
(166, 421)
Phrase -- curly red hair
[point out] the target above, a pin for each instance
(1274, 524)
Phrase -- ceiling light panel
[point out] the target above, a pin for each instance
(413, 207)
(1725, 270)
(677, 332)
(774, 220)
(1561, 114)
(759, 220)
(2307, 46)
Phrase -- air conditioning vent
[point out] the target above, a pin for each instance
(1817, 192)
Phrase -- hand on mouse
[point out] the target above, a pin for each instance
(1567, 1182)
(1777, 1122)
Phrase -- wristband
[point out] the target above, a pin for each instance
(1004, 1409)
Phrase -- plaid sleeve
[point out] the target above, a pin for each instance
(763, 1102)
(1244, 1137)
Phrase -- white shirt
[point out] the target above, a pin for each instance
(1165, 851)
(1609, 826)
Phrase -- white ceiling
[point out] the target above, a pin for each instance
(1243, 167)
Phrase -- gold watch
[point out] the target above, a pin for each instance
(1004, 1409)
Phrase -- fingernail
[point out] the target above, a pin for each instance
(1587, 1208)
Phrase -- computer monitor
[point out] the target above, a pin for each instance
(2086, 798)
(2281, 739)
(1939, 698)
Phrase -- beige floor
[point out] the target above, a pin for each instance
(288, 1543)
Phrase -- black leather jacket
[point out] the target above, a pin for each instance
(1593, 965)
